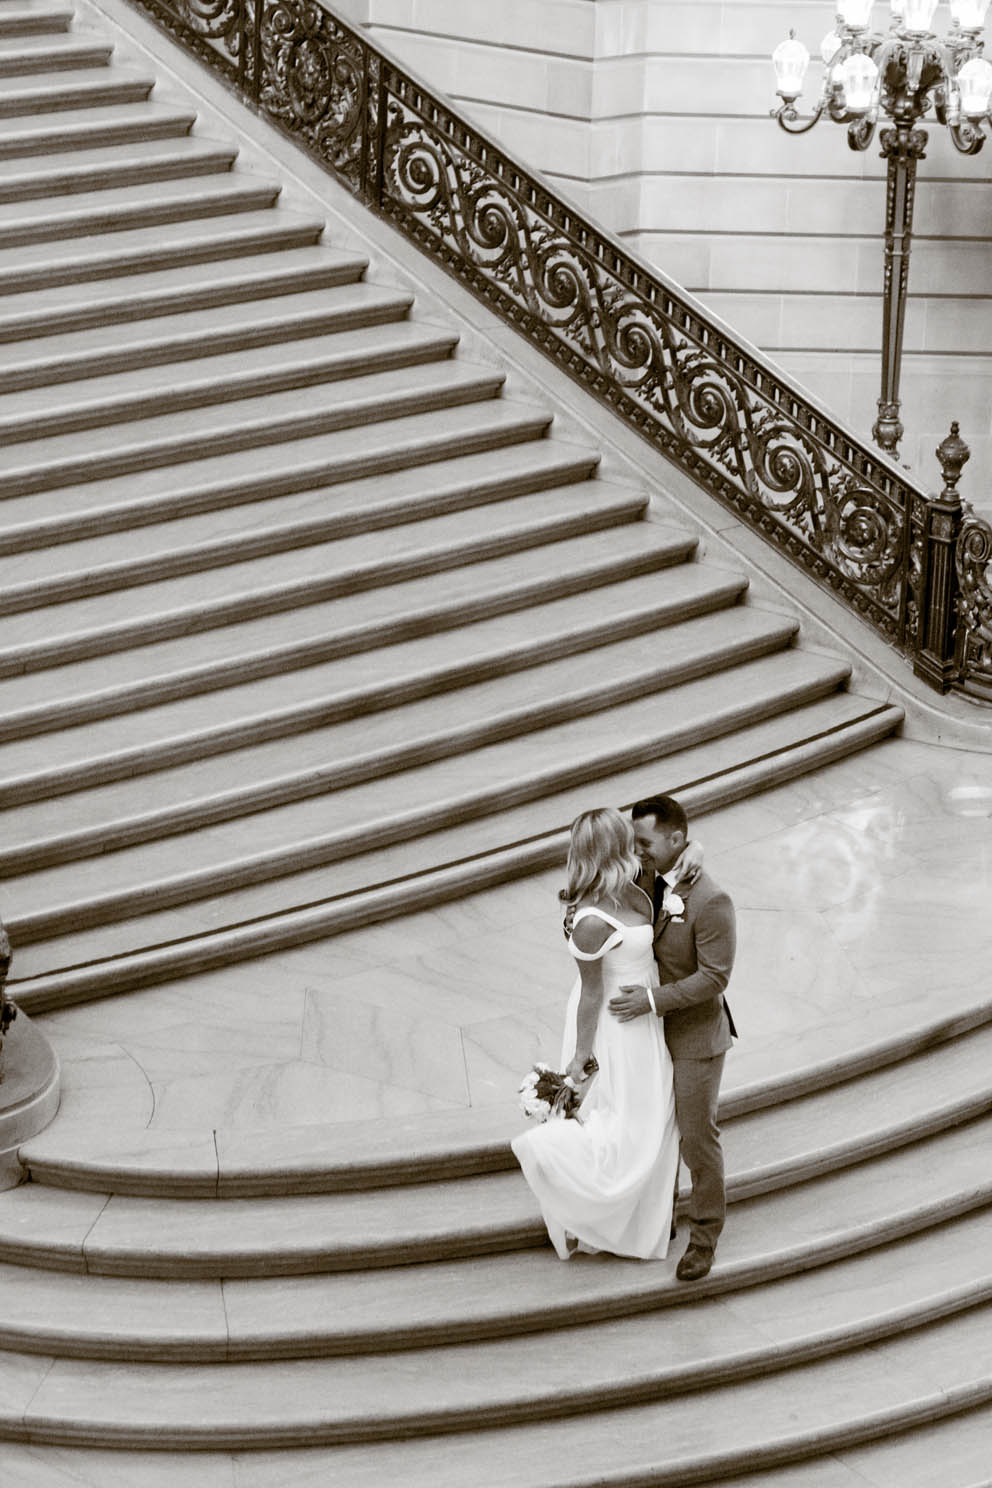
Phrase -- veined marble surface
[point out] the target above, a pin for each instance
(862, 894)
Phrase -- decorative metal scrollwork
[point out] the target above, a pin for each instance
(313, 82)
(974, 556)
(701, 405)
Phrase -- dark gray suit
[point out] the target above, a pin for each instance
(695, 955)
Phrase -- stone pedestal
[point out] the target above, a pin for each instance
(29, 1093)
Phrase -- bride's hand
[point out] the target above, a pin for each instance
(690, 864)
(576, 1071)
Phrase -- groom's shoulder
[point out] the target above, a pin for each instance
(707, 891)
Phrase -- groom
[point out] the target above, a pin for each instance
(694, 945)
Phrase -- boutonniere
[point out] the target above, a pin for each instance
(673, 905)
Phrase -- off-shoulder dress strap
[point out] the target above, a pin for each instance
(608, 943)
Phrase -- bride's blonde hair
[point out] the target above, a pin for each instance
(601, 858)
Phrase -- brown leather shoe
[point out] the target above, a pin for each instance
(695, 1264)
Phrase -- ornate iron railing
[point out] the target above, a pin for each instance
(711, 404)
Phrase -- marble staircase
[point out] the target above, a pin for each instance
(309, 618)
(375, 1304)
(305, 618)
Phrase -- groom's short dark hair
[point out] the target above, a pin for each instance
(667, 812)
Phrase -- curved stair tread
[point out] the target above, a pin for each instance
(830, 1216)
(144, 249)
(187, 335)
(104, 683)
(247, 423)
(358, 1316)
(952, 1451)
(360, 748)
(160, 944)
(800, 1135)
(217, 378)
(345, 563)
(111, 304)
(381, 814)
(751, 1421)
(296, 698)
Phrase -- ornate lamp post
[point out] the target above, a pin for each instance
(902, 74)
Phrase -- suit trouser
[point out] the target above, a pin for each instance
(697, 1092)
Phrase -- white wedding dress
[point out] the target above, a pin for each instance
(607, 1179)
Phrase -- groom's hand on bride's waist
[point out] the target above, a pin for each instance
(630, 1002)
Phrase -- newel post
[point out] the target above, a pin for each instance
(935, 658)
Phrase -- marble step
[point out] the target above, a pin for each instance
(32, 466)
(852, 1398)
(208, 484)
(44, 93)
(188, 796)
(28, 19)
(298, 565)
(796, 1134)
(103, 350)
(89, 170)
(952, 1451)
(79, 961)
(171, 245)
(293, 700)
(368, 1388)
(185, 602)
(127, 208)
(768, 1235)
(42, 133)
(200, 537)
(376, 816)
(115, 682)
(125, 306)
(194, 386)
(20, 55)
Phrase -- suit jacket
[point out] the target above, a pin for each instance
(695, 959)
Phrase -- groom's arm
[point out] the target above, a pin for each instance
(715, 934)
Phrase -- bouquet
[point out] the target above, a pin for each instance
(545, 1092)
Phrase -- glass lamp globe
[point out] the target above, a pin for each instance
(917, 15)
(975, 85)
(859, 76)
(790, 60)
(855, 13)
(969, 14)
(830, 46)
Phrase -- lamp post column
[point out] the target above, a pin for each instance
(902, 147)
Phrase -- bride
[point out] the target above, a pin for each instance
(606, 1181)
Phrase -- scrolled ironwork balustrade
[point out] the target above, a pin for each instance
(711, 404)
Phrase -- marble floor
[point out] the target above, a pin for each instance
(863, 895)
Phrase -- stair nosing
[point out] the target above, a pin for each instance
(343, 772)
(284, 928)
(397, 827)
(406, 687)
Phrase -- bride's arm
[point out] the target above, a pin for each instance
(589, 937)
(690, 864)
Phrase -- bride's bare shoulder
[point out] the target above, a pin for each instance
(591, 930)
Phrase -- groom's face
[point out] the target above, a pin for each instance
(657, 847)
